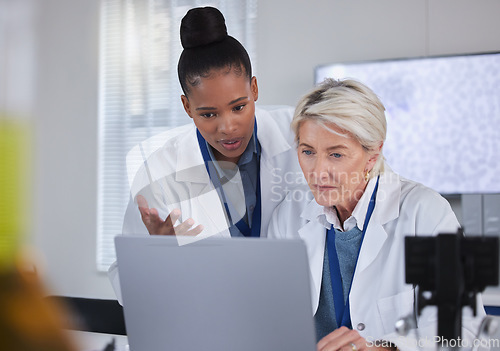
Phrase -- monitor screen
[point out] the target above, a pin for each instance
(443, 117)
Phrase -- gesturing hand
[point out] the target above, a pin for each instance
(157, 226)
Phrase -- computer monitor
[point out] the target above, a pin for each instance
(443, 117)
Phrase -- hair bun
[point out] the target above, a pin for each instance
(202, 26)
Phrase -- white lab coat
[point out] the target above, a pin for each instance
(176, 177)
(379, 295)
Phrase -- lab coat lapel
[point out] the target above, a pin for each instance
(203, 204)
(270, 137)
(190, 166)
(272, 166)
(386, 209)
(372, 243)
(314, 235)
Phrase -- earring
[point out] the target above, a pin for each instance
(367, 175)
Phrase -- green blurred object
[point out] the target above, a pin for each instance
(14, 173)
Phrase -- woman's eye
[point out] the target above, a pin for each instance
(208, 115)
(307, 152)
(239, 108)
(336, 155)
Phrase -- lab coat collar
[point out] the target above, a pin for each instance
(271, 138)
(204, 200)
(190, 166)
(386, 210)
(314, 212)
(388, 196)
(313, 235)
(313, 232)
(359, 212)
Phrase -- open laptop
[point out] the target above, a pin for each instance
(241, 294)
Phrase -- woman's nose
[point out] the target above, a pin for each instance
(228, 124)
(320, 170)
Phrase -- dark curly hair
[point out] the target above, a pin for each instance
(207, 46)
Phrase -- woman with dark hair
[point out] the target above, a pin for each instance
(224, 174)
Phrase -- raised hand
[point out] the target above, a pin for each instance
(157, 226)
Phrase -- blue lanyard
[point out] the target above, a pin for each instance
(242, 226)
(342, 312)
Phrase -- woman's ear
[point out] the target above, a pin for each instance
(374, 157)
(254, 88)
(187, 106)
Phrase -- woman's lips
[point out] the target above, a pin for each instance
(231, 144)
(324, 187)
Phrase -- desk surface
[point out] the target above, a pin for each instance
(87, 341)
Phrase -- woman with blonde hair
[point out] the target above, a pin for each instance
(355, 226)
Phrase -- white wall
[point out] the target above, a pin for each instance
(66, 146)
(293, 38)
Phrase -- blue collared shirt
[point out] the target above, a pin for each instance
(240, 184)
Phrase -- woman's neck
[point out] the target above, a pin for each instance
(344, 213)
(345, 210)
(219, 157)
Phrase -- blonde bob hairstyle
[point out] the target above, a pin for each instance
(352, 107)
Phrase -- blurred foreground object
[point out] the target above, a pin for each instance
(28, 322)
(450, 270)
(17, 84)
(14, 183)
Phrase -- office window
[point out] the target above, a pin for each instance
(140, 92)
